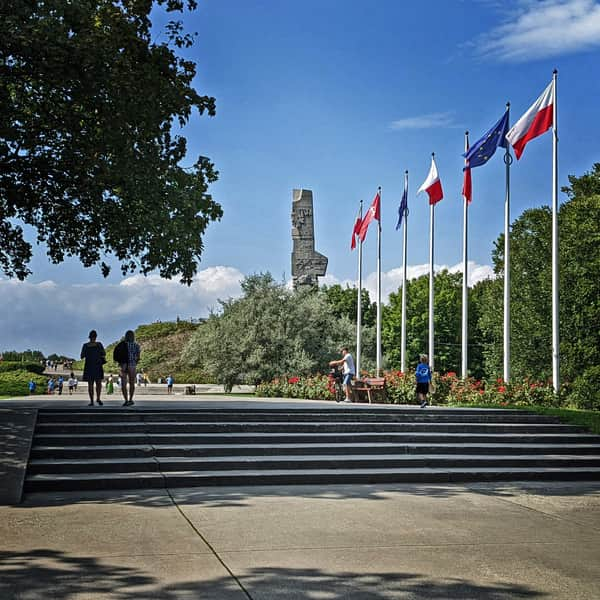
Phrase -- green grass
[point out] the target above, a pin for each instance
(590, 419)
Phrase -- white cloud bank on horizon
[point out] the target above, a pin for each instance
(56, 317)
(391, 280)
(543, 28)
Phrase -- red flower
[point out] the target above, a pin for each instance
(293, 380)
(451, 374)
(499, 380)
(501, 389)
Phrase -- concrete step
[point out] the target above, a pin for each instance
(145, 480)
(301, 427)
(343, 462)
(364, 415)
(103, 439)
(141, 450)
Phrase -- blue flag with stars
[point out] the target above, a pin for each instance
(402, 208)
(483, 149)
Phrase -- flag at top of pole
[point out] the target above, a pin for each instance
(355, 232)
(485, 147)
(537, 120)
(372, 213)
(467, 189)
(403, 206)
(432, 185)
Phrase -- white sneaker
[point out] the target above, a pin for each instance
(347, 400)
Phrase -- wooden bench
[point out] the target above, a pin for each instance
(371, 387)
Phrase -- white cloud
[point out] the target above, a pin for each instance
(391, 281)
(544, 28)
(56, 318)
(428, 121)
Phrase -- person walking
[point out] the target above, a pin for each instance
(127, 354)
(348, 371)
(71, 383)
(170, 381)
(95, 356)
(423, 377)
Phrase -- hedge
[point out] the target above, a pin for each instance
(10, 365)
(16, 383)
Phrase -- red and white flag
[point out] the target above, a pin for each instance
(372, 213)
(467, 189)
(432, 185)
(537, 120)
(355, 232)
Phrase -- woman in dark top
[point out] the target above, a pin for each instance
(95, 356)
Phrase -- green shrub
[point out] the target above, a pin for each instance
(16, 383)
(32, 367)
(585, 391)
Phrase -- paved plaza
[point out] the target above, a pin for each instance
(362, 542)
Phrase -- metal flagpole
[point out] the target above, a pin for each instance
(555, 282)
(431, 349)
(379, 287)
(507, 161)
(404, 245)
(359, 304)
(465, 287)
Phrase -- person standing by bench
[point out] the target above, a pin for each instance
(423, 376)
(348, 371)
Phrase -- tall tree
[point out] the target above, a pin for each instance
(89, 154)
(447, 315)
(269, 332)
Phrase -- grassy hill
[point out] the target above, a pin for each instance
(161, 345)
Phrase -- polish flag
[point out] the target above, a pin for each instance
(467, 189)
(537, 120)
(432, 185)
(355, 232)
(372, 213)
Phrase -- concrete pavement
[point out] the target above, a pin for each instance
(362, 542)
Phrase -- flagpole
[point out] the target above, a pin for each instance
(465, 288)
(404, 246)
(359, 303)
(507, 161)
(431, 216)
(555, 281)
(379, 288)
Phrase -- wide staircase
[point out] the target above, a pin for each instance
(102, 448)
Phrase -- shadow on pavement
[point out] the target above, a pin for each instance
(220, 497)
(51, 574)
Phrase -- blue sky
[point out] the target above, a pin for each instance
(340, 97)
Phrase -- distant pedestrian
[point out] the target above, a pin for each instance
(31, 386)
(51, 385)
(127, 355)
(95, 356)
(60, 383)
(170, 382)
(72, 383)
(423, 377)
(110, 386)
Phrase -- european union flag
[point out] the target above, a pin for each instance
(483, 149)
(402, 208)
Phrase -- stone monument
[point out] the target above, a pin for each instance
(307, 264)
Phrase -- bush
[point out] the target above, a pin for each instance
(16, 383)
(585, 391)
(317, 387)
(32, 367)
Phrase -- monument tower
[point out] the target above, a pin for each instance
(307, 264)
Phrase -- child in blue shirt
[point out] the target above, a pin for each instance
(423, 376)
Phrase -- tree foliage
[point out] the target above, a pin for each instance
(269, 332)
(89, 155)
(531, 288)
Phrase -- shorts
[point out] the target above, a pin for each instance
(422, 388)
(348, 378)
